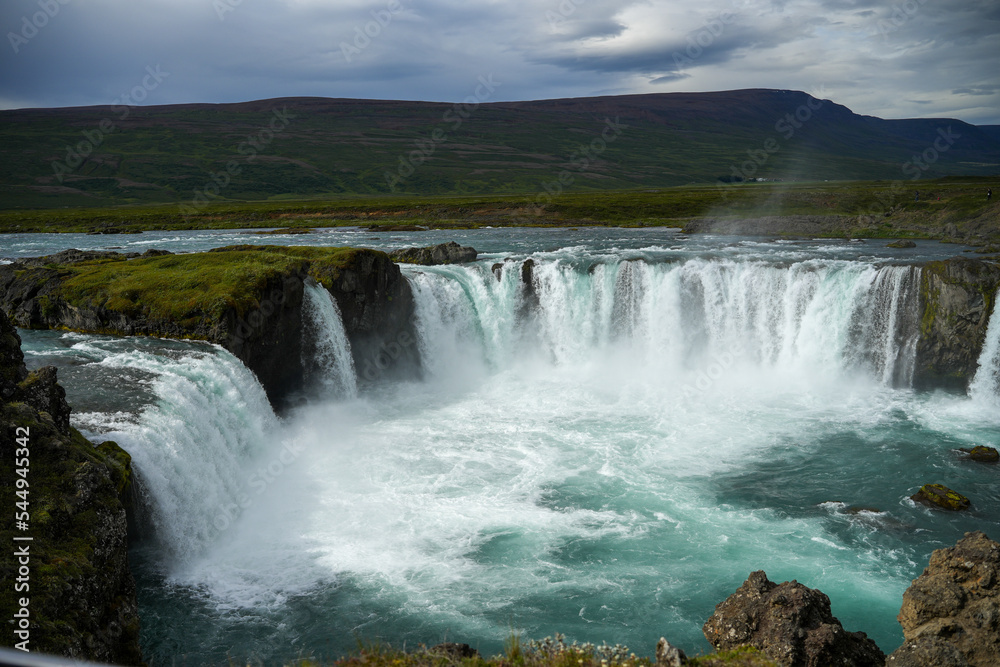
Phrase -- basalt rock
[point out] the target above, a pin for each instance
(938, 495)
(373, 297)
(983, 454)
(81, 599)
(954, 607)
(443, 253)
(790, 623)
(956, 301)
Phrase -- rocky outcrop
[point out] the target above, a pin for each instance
(791, 623)
(982, 454)
(80, 593)
(939, 495)
(956, 301)
(260, 321)
(951, 612)
(443, 253)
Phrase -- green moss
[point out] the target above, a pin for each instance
(941, 496)
(192, 288)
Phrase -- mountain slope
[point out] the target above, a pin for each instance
(312, 146)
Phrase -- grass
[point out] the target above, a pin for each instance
(876, 209)
(184, 288)
(548, 652)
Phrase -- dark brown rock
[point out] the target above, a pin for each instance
(956, 300)
(443, 253)
(927, 652)
(82, 596)
(373, 297)
(956, 603)
(938, 495)
(983, 454)
(901, 243)
(791, 623)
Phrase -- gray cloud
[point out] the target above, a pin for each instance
(904, 59)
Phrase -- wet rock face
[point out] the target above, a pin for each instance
(791, 623)
(82, 595)
(954, 605)
(443, 253)
(956, 301)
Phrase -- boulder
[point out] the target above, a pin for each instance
(443, 253)
(926, 652)
(939, 495)
(983, 454)
(954, 605)
(790, 623)
(901, 243)
(668, 655)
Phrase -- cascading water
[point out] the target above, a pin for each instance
(811, 317)
(330, 351)
(985, 386)
(606, 452)
(190, 447)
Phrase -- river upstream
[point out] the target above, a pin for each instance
(608, 458)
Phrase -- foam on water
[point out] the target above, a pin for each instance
(330, 351)
(985, 386)
(607, 455)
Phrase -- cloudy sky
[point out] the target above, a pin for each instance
(892, 58)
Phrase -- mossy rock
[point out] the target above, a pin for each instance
(901, 243)
(938, 495)
(983, 454)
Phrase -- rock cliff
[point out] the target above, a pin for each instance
(956, 301)
(73, 575)
(791, 623)
(247, 299)
(951, 612)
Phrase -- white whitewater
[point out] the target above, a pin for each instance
(191, 448)
(330, 353)
(985, 386)
(810, 318)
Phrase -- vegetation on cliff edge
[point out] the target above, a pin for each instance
(184, 288)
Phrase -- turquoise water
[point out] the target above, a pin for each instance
(608, 458)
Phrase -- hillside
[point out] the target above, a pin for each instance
(99, 156)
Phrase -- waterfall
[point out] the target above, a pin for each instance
(328, 359)
(810, 317)
(985, 386)
(192, 446)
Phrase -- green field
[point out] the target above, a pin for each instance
(953, 208)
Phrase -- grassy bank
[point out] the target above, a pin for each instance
(954, 208)
(183, 288)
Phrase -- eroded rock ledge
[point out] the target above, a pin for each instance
(956, 301)
(247, 299)
(81, 595)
